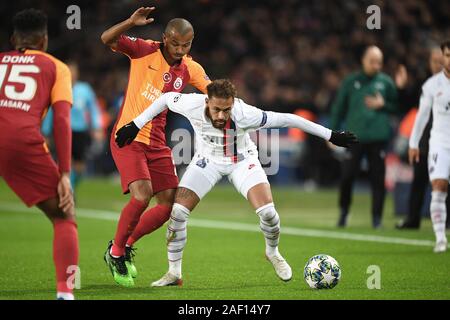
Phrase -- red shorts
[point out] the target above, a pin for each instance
(31, 173)
(139, 161)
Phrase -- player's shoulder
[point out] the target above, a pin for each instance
(191, 64)
(433, 81)
(58, 63)
(241, 109)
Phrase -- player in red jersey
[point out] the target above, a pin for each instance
(146, 166)
(30, 81)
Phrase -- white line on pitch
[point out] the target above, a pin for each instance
(238, 226)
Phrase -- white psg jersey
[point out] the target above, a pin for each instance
(435, 98)
(233, 143)
(229, 145)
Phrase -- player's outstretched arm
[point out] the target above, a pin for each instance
(138, 18)
(126, 134)
(423, 115)
(338, 138)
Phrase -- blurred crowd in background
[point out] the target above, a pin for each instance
(283, 56)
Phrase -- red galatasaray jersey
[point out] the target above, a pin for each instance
(30, 82)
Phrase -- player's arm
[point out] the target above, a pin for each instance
(423, 115)
(61, 101)
(111, 36)
(199, 78)
(128, 132)
(283, 120)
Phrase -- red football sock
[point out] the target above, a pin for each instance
(65, 253)
(151, 220)
(127, 223)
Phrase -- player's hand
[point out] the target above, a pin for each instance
(343, 138)
(413, 155)
(126, 134)
(374, 102)
(65, 196)
(139, 17)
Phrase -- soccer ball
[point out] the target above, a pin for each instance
(322, 272)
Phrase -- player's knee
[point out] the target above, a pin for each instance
(166, 198)
(440, 185)
(268, 212)
(142, 191)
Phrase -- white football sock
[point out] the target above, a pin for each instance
(65, 296)
(269, 222)
(176, 237)
(438, 213)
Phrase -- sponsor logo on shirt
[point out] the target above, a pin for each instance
(167, 77)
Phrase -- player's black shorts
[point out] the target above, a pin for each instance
(81, 141)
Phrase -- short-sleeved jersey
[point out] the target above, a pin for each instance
(30, 81)
(229, 145)
(435, 98)
(150, 75)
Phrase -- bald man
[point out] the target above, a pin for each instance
(363, 105)
(146, 166)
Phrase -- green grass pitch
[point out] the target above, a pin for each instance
(224, 256)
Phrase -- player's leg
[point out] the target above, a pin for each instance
(377, 170)
(438, 212)
(185, 201)
(65, 245)
(251, 181)
(135, 178)
(439, 171)
(199, 178)
(164, 183)
(349, 170)
(151, 220)
(34, 177)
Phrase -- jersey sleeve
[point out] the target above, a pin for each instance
(423, 115)
(252, 118)
(62, 88)
(199, 78)
(181, 103)
(135, 47)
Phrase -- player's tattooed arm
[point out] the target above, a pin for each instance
(186, 198)
(138, 18)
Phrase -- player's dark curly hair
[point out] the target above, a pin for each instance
(445, 44)
(221, 88)
(30, 21)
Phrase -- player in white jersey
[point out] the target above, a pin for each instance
(436, 98)
(223, 148)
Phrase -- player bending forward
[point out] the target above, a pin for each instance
(224, 148)
(436, 97)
